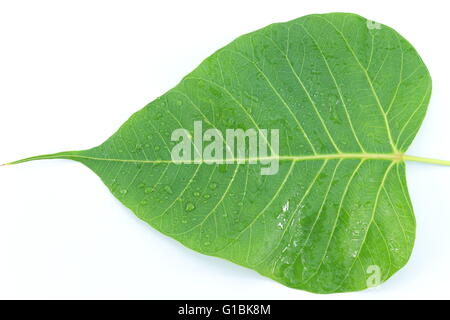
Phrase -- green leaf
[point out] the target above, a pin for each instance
(348, 96)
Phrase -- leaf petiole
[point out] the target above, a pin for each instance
(426, 160)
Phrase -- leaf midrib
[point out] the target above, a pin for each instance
(396, 157)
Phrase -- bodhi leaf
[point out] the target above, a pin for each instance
(347, 96)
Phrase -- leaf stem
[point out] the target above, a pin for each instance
(426, 160)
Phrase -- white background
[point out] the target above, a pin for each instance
(71, 72)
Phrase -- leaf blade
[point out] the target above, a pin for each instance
(348, 101)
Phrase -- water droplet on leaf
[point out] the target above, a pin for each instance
(190, 206)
